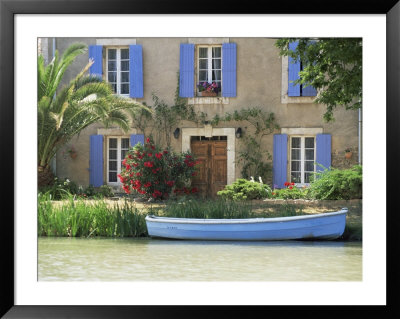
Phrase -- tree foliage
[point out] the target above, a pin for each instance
(333, 66)
(64, 111)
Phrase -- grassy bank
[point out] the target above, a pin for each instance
(124, 218)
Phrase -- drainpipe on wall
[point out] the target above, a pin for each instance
(53, 163)
(359, 136)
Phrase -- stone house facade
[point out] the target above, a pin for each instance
(249, 73)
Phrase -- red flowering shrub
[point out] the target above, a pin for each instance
(153, 172)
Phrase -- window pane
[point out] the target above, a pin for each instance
(203, 52)
(216, 52)
(309, 142)
(112, 54)
(203, 64)
(124, 65)
(295, 154)
(125, 143)
(113, 143)
(308, 177)
(216, 75)
(124, 76)
(124, 88)
(296, 166)
(112, 76)
(216, 63)
(310, 155)
(125, 54)
(202, 76)
(112, 176)
(114, 87)
(295, 177)
(112, 154)
(295, 142)
(309, 166)
(123, 154)
(112, 165)
(112, 65)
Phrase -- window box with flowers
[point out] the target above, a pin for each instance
(208, 89)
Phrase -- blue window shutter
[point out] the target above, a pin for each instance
(280, 160)
(323, 145)
(136, 71)
(293, 75)
(96, 160)
(229, 69)
(96, 54)
(137, 138)
(186, 70)
(309, 91)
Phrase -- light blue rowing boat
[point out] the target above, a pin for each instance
(326, 226)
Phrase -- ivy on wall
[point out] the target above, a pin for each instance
(163, 118)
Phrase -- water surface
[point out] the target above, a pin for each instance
(105, 259)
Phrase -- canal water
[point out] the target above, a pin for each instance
(105, 259)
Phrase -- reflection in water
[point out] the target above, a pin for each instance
(71, 259)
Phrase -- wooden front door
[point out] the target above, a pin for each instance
(212, 175)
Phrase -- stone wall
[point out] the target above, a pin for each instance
(339, 159)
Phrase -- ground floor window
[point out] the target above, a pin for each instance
(117, 147)
(302, 159)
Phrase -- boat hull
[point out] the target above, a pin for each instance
(326, 226)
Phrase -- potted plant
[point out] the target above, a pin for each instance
(348, 153)
(208, 89)
(72, 152)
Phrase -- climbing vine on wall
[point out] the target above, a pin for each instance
(255, 161)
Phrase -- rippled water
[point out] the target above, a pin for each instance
(105, 259)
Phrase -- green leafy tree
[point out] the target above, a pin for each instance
(331, 65)
(64, 112)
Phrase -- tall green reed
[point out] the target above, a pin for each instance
(78, 218)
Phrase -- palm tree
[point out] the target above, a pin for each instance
(65, 112)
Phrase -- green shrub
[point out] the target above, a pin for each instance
(243, 189)
(60, 189)
(338, 184)
(291, 193)
(106, 191)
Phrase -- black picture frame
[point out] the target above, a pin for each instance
(8, 10)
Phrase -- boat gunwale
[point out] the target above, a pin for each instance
(177, 220)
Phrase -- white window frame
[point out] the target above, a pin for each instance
(119, 157)
(302, 157)
(209, 65)
(118, 60)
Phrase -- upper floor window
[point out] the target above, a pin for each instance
(294, 68)
(118, 70)
(121, 66)
(209, 66)
(207, 63)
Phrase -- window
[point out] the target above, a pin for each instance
(294, 67)
(118, 70)
(117, 147)
(302, 158)
(209, 65)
